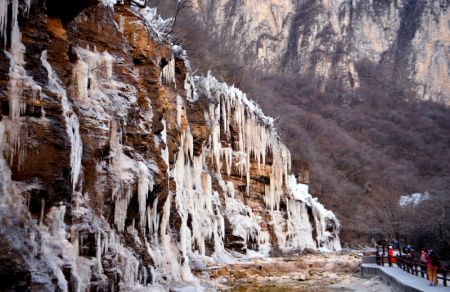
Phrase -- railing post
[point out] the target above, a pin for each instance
(388, 257)
(377, 256)
(444, 274)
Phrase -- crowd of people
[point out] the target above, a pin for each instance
(429, 260)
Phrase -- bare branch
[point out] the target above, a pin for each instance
(182, 4)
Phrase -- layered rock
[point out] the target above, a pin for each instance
(120, 170)
(410, 39)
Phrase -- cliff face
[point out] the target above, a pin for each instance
(409, 38)
(120, 170)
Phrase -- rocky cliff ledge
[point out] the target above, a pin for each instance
(407, 39)
(120, 170)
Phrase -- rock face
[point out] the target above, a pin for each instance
(121, 170)
(409, 38)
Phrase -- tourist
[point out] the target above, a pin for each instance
(409, 260)
(396, 244)
(391, 256)
(432, 266)
(423, 262)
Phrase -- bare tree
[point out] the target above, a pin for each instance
(181, 4)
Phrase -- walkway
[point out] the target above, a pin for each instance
(399, 279)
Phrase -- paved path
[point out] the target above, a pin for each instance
(404, 279)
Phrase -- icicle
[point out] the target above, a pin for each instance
(245, 223)
(168, 73)
(188, 144)
(4, 20)
(145, 184)
(75, 238)
(98, 252)
(153, 220)
(123, 169)
(81, 73)
(196, 200)
(213, 116)
(228, 154)
(180, 110)
(165, 151)
(71, 119)
(17, 51)
(108, 60)
(122, 199)
(224, 115)
(56, 221)
(5, 172)
(327, 240)
(41, 220)
(299, 229)
(190, 88)
(18, 78)
(165, 219)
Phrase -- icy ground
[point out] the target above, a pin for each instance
(314, 272)
(374, 284)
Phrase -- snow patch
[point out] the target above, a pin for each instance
(110, 3)
(413, 199)
(156, 25)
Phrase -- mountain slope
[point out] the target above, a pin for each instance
(329, 38)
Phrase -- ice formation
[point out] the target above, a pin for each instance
(256, 136)
(121, 223)
(109, 3)
(19, 81)
(256, 139)
(155, 24)
(71, 119)
(4, 20)
(168, 73)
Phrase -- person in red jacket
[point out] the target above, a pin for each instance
(432, 266)
(391, 255)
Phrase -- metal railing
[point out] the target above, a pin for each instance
(410, 265)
